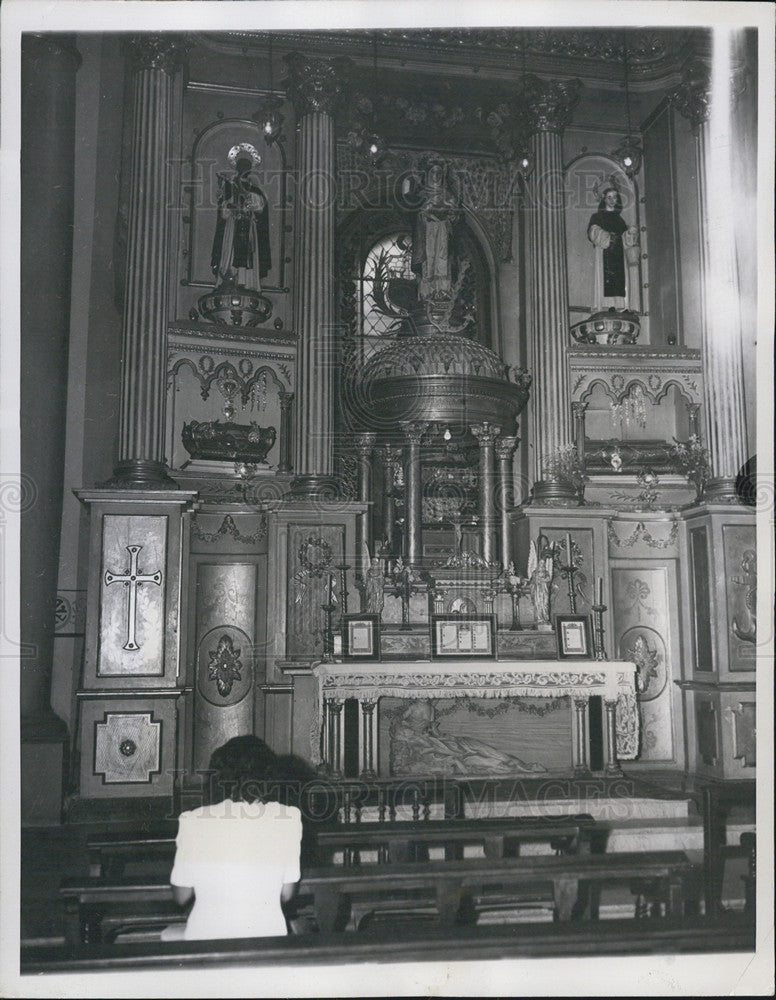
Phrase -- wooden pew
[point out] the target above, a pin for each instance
(448, 881)
(395, 841)
(725, 933)
(406, 841)
(94, 907)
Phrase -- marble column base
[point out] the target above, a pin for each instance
(721, 490)
(315, 487)
(552, 491)
(141, 474)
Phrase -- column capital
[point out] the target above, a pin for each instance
(389, 454)
(315, 84)
(53, 44)
(486, 433)
(165, 52)
(365, 443)
(505, 446)
(549, 104)
(692, 98)
(286, 398)
(413, 430)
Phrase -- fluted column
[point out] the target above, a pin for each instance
(486, 435)
(155, 59)
(49, 65)
(505, 448)
(286, 431)
(705, 97)
(549, 105)
(314, 86)
(413, 546)
(390, 456)
(365, 444)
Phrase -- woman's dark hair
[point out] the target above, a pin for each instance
(240, 769)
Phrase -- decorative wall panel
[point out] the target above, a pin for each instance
(740, 553)
(701, 604)
(127, 746)
(225, 609)
(708, 738)
(314, 552)
(743, 718)
(642, 625)
(132, 626)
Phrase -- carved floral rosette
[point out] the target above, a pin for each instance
(614, 681)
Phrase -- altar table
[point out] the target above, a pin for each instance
(613, 680)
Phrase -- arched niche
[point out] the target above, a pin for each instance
(209, 157)
(585, 175)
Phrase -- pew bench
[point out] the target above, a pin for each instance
(97, 910)
(407, 841)
(395, 841)
(730, 932)
(448, 882)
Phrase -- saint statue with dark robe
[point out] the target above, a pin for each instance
(241, 249)
(615, 244)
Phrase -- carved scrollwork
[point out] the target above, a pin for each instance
(225, 665)
(641, 533)
(315, 84)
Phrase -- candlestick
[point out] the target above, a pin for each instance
(568, 546)
(600, 590)
(598, 631)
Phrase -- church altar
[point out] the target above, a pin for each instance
(614, 681)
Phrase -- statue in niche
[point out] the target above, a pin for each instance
(541, 566)
(431, 244)
(616, 246)
(417, 747)
(241, 249)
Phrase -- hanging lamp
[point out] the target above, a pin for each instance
(629, 153)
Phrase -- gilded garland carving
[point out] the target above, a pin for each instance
(229, 529)
(642, 533)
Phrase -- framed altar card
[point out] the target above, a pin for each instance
(573, 635)
(361, 637)
(463, 636)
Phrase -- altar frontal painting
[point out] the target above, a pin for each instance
(471, 737)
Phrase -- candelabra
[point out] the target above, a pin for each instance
(569, 572)
(343, 571)
(598, 631)
(328, 632)
(402, 588)
(517, 589)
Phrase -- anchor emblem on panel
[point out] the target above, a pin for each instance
(132, 579)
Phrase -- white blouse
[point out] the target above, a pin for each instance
(237, 856)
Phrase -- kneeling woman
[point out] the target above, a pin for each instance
(238, 858)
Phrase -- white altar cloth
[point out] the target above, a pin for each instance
(613, 680)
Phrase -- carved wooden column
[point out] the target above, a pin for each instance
(580, 725)
(368, 739)
(314, 86)
(155, 59)
(505, 448)
(413, 547)
(709, 112)
(49, 65)
(486, 435)
(611, 764)
(365, 443)
(549, 105)
(286, 431)
(390, 456)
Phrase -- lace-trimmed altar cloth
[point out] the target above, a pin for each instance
(614, 680)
